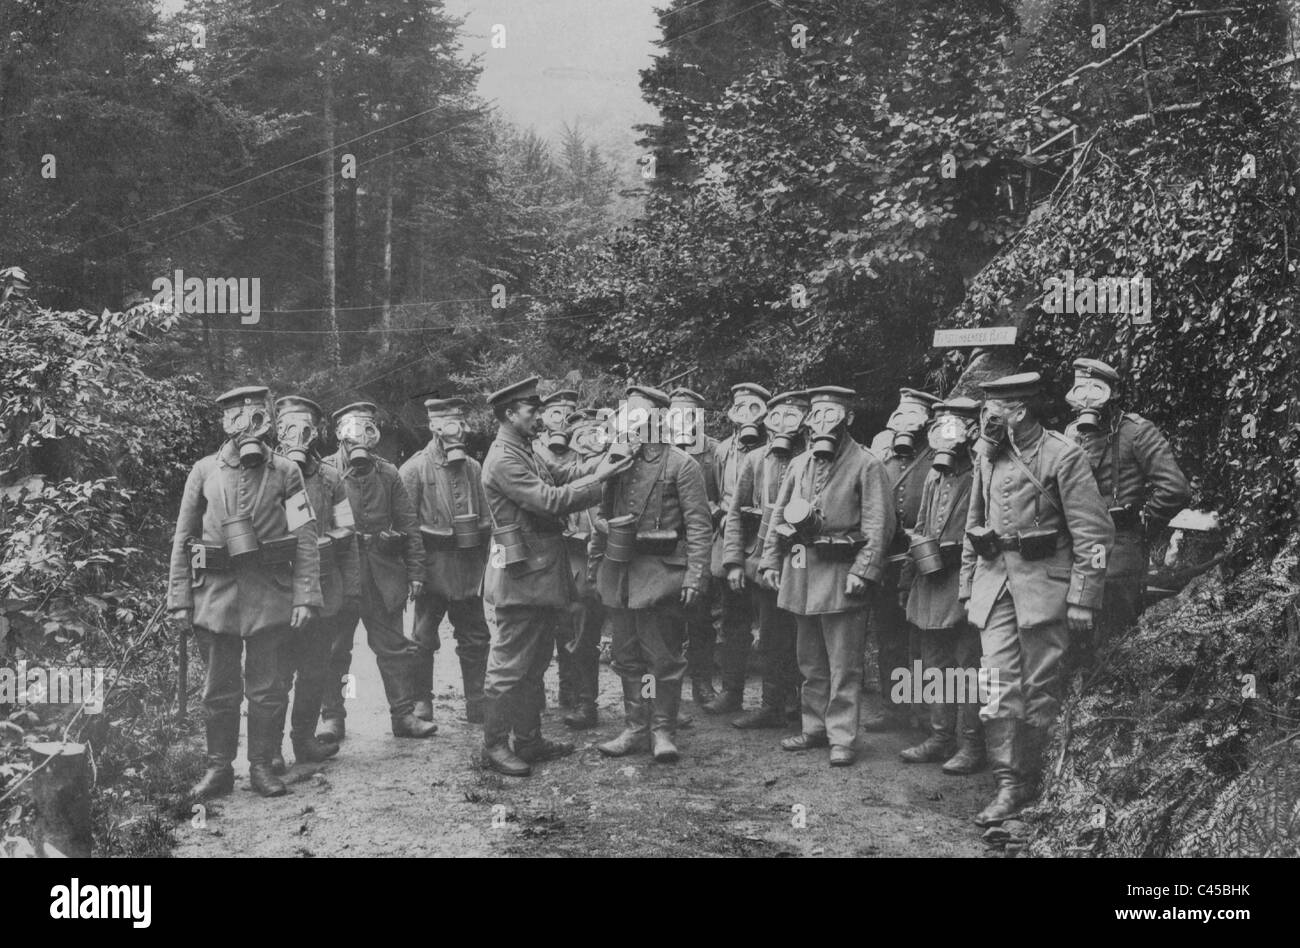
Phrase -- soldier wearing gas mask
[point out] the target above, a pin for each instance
(686, 408)
(588, 438)
(907, 456)
(392, 568)
(947, 639)
(304, 664)
(1138, 478)
(825, 555)
(244, 572)
(1037, 532)
(650, 556)
(527, 586)
(748, 406)
(748, 522)
(446, 487)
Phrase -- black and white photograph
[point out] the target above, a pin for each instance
(651, 429)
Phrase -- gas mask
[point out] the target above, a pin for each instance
(553, 417)
(683, 421)
(450, 432)
(296, 432)
(782, 423)
(746, 413)
(358, 434)
(950, 437)
(247, 425)
(1089, 397)
(588, 438)
(826, 423)
(907, 422)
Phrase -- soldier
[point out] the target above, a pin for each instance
(688, 407)
(552, 446)
(587, 438)
(244, 571)
(748, 406)
(1138, 479)
(947, 640)
(446, 487)
(907, 458)
(835, 514)
(651, 562)
(392, 568)
(527, 585)
(749, 520)
(1037, 536)
(304, 663)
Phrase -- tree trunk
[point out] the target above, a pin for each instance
(335, 347)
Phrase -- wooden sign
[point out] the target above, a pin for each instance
(970, 338)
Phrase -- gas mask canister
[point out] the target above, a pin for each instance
(826, 423)
(246, 418)
(1089, 397)
(748, 407)
(358, 435)
(908, 421)
(296, 429)
(783, 420)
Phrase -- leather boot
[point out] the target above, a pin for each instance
(408, 725)
(582, 717)
(970, 758)
(496, 754)
(216, 782)
(702, 690)
(725, 701)
(308, 750)
(539, 749)
(942, 742)
(1004, 743)
(331, 731)
(278, 766)
(264, 782)
(635, 738)
(262, 732)
(663, 723)
(222, 743)
(472, 674)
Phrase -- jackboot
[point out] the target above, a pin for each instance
(262, 730)
(331, 731)
(663, 722)
(278, 766)
(496, 754)
(1003, 739)
(472, 673)
(970, 758)
(408, 725)
(308, 750)
(540, 749)
(223, 744)
(582, 717)
(406, 680)
(635, 737)
(217, 781)
(942, 742)
(725, 701)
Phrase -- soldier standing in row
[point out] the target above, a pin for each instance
(446, 487)
(1033, 571)
(587, 438)
(651, 562)
(903, 449)
(947, 639)
(392, 568)
(244, 571)
(835, 515)
(304, 664)
(749, 520)
(527, 585)
(748, 406)
(1139, 480)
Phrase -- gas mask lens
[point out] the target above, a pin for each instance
(295, 433)
(554, 415)
(682, 422)
(948, 436)
(588, 440)
(784, 419)
(450, 432)
(745, 413)
(824, 419)
(358, 431)
(1088, 398)
(251, 420)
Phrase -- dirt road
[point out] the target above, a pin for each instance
(734, 793)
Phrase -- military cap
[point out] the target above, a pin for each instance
(562, 395)
(753, 388)
(356, 408)
(657, 397)
(793, 398)
(525, 391)
(436, 405)
(244, 395)
(921, 398)
(966, 407)
(832, 393)
(1095, 368)
(684, 396)
(298, 403)
(1020, 385)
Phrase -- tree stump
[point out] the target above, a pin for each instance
(61, 791)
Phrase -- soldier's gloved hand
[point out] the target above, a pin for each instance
(855, 585)
(736, 578)
(417, 589)
(689, 595)
(301, 616)
(771, 579)
(1079, 618)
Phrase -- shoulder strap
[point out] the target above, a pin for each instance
(1035, 481)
